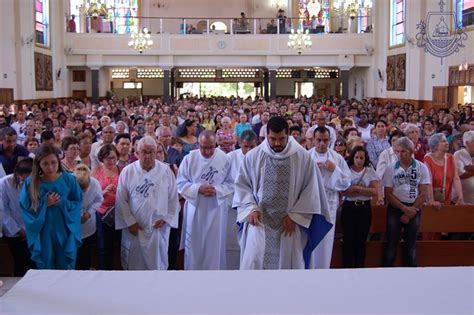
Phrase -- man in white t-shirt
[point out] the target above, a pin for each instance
(20, 124)
(406, 186)
(465, 164)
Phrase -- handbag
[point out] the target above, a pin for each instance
(439, 192)
(108, 218)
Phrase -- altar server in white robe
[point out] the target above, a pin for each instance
(146, 208)
(247, 141)
(204, 181)
(281, 202)
(336, 177)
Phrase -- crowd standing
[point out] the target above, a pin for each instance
(236, 183)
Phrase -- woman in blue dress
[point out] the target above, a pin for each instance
(51, 207)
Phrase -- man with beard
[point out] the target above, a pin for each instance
(281, 202)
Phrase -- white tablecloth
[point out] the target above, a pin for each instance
(362, 291)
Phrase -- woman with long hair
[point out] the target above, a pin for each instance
(51, 205)
(13, 226)
(207, 121)
(190, 141)
(356, 215)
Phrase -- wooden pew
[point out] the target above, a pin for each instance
(451, 219)
(429, 253)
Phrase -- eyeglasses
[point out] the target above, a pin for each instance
(340, 144)
(110, 158)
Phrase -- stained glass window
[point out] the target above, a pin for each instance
(363, 18)
(465, 12)
(397, 22)
(109, 16)
(42, 22)
(314, 13)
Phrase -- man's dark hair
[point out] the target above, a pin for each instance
(68, 141)
(7, 132)
(381, 121)
(122, 136)
(321, 130)
(277, 124)
(396, 133)
(248, 135)
(296, 128)
(348, 131)
(46, 135)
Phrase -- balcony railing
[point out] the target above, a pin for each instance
(209, 26)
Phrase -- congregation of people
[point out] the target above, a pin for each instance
(235, 183)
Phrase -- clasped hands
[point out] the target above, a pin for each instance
(207, 190)
(328, 165)
(134, 228)
(288, 225)
(408, 214)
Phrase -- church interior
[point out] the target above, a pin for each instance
(410, 54)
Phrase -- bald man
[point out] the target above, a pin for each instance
(204, 181)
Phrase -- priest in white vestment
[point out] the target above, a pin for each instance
(204, 181)
(247, 141)
(336, 177)
(146, 208)
(281, 202)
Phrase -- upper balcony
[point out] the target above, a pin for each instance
(189, 42)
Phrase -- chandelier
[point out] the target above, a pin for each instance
(351, 7)
(140, 40)
(299, 40)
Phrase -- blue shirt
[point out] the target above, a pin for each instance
(9, 164)
(173, 156)
(239, 128)
(375, 146)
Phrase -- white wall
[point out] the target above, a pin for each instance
(423, 70)
(7, 48)
(358, 82)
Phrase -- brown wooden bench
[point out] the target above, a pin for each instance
(429, 253)
(451, 219)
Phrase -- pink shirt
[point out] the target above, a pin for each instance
(109, 198)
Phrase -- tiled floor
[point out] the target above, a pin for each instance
(6, 284)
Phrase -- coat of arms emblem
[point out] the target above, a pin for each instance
(436, 36)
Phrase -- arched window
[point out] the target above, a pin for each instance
(42, 22)
(397, 22)
(464, 13)
(219, 26)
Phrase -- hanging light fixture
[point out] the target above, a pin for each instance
(299, 40)
(140, 40)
